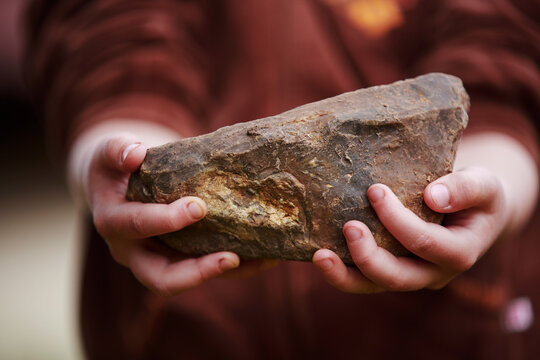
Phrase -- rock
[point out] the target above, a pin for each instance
(284, 186)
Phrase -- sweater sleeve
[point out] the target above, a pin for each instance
(494, 47)
(89, 61)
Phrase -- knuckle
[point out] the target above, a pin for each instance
(363, 261)
(393, 210)
(111, 149)
(423, 243)
(136, 223)
(114, 147)
(469, 189)
(366, 258)
(172, 221)
(204, 274)
(477, 184)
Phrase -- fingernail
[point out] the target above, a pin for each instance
(353, 233)
(128, 149)
(440, 195)
(195, 210)
(325, 264)
(375, 194)
(227, 264)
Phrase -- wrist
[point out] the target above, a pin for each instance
(515, 168)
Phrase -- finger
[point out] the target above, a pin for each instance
(165, 277)
(122, 153)
(383, 268)
(138, 220)
(471, 187)
(429, 241)
(344, 278)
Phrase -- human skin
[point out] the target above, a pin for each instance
(99, 164)
(494, 194)
(490, 197)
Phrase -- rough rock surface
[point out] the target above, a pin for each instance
(283, 186)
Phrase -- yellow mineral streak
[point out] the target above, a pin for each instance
(232, 196)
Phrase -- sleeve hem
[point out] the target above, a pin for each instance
(136, 106)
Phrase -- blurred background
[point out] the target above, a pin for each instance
(38, 247)
(39, 252)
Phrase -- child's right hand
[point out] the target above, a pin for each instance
(128, 227)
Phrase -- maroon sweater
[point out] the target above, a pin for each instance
(199, 65)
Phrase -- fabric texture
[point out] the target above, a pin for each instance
(196, 66)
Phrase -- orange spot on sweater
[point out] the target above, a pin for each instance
(374, 17)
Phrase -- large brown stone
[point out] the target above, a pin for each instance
(283, 186)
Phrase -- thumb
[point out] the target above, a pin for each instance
(123, 153)
(467, 188)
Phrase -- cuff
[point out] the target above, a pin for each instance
(144, 107)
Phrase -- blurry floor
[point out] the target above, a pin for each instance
(38, 250)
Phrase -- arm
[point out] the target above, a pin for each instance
(99, 164)
(109, 75)
(494, 190)
(491, 195)
(92, 63)
(512, 164)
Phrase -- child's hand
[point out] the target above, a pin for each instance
(128, 226)
(475, 205)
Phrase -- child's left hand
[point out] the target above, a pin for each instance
(475, 203)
